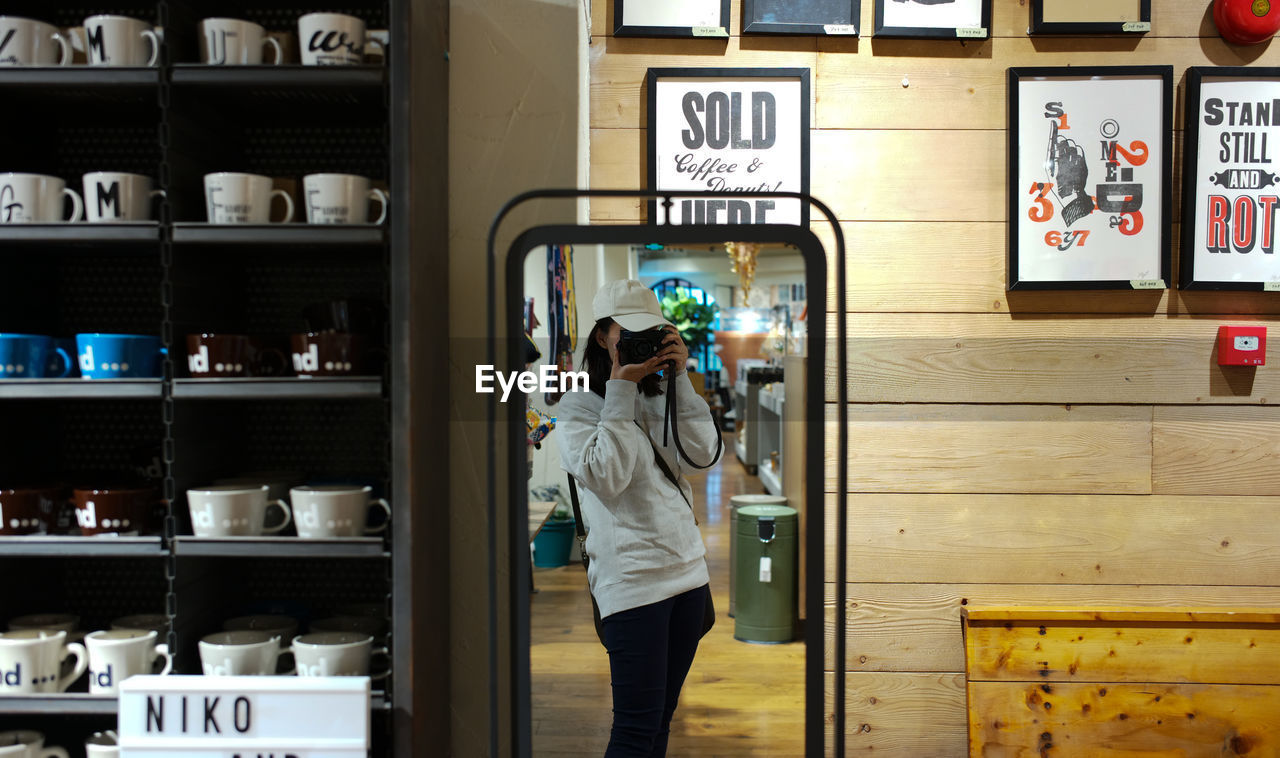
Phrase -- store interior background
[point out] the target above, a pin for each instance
(1052, 448)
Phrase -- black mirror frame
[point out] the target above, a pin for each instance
(814, 255)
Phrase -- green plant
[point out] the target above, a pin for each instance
(691, 318)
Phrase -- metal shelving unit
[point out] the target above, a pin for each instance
(179, 275)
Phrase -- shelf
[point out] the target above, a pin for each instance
(292, 234)
(97, 77)
(771, 481)
(285, 77)
(60, 703)
(80, 233)
(37, 545)
(278, 547)
(79, 389)
(278, 388)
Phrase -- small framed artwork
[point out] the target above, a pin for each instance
(1090, 16)
(1231, 186)
(1090, 171)
(729, 130)
(671, 18)
(964, 19)
(820, 17)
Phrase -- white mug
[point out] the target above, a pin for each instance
(241, 653)
(157, 622)
(113, 196)
(335, 654)
(332, 39)
(27, 744)
(232, 42)
(102, 745)
(235, 198)
(58, 622)
(36, 199)
(27, 42)
(335, 511)
(31, 661)
(117, 654)
(341, 199)
(121, 41)
(234, 510)
(283, 628)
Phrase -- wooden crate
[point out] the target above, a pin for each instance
(1122, 682)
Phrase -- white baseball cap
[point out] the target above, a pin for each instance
(630, 303)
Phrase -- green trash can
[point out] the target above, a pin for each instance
(736, 502)
(552, 545)
(766, 574)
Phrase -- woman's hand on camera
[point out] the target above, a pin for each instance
(633, 372)
(674, 352)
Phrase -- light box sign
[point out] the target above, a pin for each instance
(244, 717)
(729, 130)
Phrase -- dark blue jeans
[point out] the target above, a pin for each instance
(650, 651)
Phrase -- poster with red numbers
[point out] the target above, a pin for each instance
(1090, 177)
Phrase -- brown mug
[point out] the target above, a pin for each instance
(117, 510)
(328, 354)
(268, 356)
(24, 510)
(216, 356)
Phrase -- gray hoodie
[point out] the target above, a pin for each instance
(641, 534)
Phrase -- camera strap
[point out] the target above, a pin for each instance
(669, 422)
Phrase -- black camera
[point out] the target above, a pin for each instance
(638, 347)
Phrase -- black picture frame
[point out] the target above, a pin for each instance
(792, 18)
(1018, 184)
(1039, 26)
(930, 32)
(1195, 171)
(676, 29)
(653, 136)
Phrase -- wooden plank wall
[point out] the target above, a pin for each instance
(1006, 448)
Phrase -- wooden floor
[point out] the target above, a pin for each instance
(739, 700)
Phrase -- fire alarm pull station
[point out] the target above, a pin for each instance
(1242, 346)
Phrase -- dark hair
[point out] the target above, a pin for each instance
(599, 364)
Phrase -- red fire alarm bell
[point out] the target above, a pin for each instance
(1242, 346)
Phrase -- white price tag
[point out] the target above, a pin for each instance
(971, 32)
(1271, 286)
(1137, 26)
(836, 29)
(1148, 284)
(710, 31)
(766, 569)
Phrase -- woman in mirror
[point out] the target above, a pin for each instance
(647, 570)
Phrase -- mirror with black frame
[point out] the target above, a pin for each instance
(749, 527)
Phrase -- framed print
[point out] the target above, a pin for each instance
(726, 130)
(1090, 171)
(1231, 190)
(826, 17)
(963, 19)
(1090, 16)
(671, 18)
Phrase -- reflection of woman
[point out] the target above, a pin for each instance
(647, 572)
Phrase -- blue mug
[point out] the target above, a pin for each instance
(32, 356)
(120, 356)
